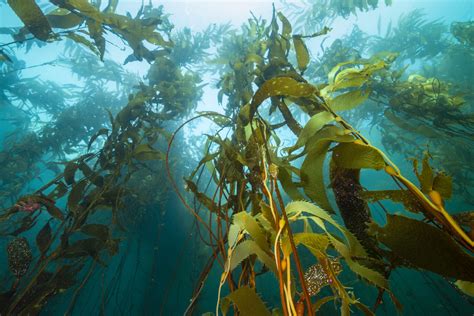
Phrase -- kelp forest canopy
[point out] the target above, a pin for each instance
(333, 174)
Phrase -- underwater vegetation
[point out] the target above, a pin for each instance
(279, 193)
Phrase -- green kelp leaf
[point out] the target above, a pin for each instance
(84, 41)
(248, 223)
(96, 32)
(76, 195)
(69, 172)
(84, 247)
(201, 197)
(320, 302)
(425, 246)
(312, 177)
(302, 54)
(287, 29)
(426, 175)
(102, 131)
(4, 56)
(364, 309)
(63, 19)
(443, 183)
(417, 128)
(319, 216)
(111, 6)
(146, 152)
(248, 248)
(281, 86)
(43, 238)
(59, 191)
(233, 234)
(349, 100)
(204, 160)
(83, 6)
(33, 18)
(316, 243)
(370, 275)
(98, 231)
(410, 202)
(53, 210)
(290, 188)
(466, 287)
(218, 118)
(248, 302)
(315, 123)
(357, 156)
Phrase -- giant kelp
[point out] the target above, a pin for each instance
(269, 205)
(248, 169)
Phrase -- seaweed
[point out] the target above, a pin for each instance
(268, 207)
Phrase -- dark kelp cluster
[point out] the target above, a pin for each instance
(268, 204)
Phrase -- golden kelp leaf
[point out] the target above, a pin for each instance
(52, 209)
(232, 235)
(418, 128)
(426, 176)
(315, 123)
(302, 54)
(102, 131)
(248, 302)
(218, 118)
(357, 156)
(84, 41)
(4, 56)
(290, 188)
(246, 222)
(33, 18)
(349, 100)
(443, 183)
(320, 216)
(401, 196)
(59, 191)
(280, 86)
(312, 178)
(320, 302)
(425, 246)
(84, 6)
(146, 152)
(466, 287)
(84, 247)
(69, 172)
(354, 249)
(286, 32)
(76, 195)
(43, 238)
(204, 160)
(364, 309)
(96, 32)
(248, 248)
(63, 19)
(201, 197)
(98, 231)
(314, 242)
(254, 58)
(111, 6)
(370, 275)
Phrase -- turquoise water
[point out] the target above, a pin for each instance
(52, 91)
